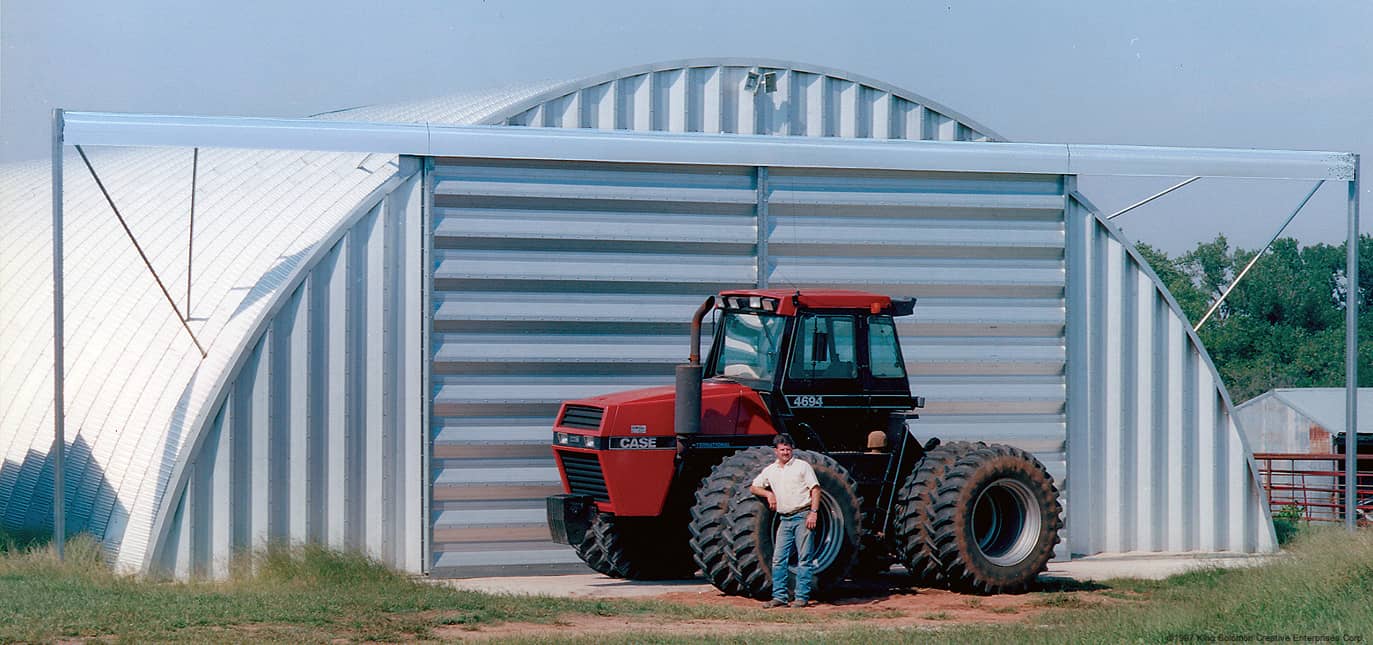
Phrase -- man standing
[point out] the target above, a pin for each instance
(792, 491)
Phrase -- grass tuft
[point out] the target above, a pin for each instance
(38, 556)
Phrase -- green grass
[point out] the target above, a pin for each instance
(308, 594)
(302, 594)
(1320, 590)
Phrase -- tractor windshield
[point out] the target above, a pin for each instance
(752, 346)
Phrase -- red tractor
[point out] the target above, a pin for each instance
(657, 480)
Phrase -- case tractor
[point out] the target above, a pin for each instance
(657, 480)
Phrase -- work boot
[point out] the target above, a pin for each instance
(774, 603)
(800, 604)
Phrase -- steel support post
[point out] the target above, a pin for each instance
(764, 223)
(59, 441)
(1351, 354)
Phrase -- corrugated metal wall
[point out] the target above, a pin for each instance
(555, 281)
(708, 96)
(319, 435)
(1157, 463)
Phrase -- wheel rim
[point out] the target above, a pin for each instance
(1004, 522)
(827, 539)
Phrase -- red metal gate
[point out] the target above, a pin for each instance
(1314, 485)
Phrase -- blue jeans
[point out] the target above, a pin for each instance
(792, 534)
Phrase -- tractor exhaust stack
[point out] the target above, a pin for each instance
(687, 407)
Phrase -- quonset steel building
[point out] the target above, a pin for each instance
(388, 335)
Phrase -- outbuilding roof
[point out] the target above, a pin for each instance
(1322, 405)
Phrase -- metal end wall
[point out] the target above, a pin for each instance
(1156, 461)
(720, 96)
(317, 437)
(560, 280)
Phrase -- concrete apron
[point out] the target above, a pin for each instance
(1149, 566)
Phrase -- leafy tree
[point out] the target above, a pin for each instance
(1283, 325)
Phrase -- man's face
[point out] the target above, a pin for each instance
(783, 452)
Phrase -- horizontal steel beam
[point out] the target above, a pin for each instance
(99, 128)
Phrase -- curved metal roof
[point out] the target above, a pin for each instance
(135, 383)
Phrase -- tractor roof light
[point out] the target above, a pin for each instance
(751, 303)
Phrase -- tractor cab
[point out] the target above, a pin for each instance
(827, 363)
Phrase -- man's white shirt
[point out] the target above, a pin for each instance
(791, 484)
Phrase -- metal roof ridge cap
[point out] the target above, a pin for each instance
(265, 133)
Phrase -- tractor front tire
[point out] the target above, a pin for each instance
(709, 527)
(910, 526)
(993, 520)
(634, 548)
(834, 542)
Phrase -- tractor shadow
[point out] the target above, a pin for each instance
(896, 582)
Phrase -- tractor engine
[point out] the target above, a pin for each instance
(622, 451)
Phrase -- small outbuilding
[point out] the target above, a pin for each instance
(1299, 420)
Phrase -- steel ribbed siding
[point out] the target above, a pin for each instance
(319, 435)
(550, 282)
(708, 97)
(1157, 461)
(982, 254)
(558, 281)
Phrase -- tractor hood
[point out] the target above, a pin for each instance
(726, 408)
(665, 393)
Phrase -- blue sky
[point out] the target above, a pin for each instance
(1261, 74)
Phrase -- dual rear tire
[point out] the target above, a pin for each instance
(978, 518)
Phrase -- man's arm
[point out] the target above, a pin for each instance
(758, 488)
(763, 492)
(814, 513)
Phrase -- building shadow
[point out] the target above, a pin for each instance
(26, 491)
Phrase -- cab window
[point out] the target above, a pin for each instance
(824, 349)
(751, 347)
(883, 352)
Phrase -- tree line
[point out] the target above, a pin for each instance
(1283, 325)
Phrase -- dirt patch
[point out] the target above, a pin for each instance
(871, 606)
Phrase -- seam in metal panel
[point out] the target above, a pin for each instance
(297, 473)
(336, 436)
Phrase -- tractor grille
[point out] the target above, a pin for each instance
(582, 416)
(584, 475)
